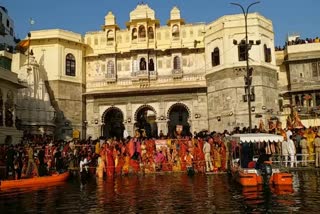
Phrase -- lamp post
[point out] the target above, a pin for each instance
(248, 78)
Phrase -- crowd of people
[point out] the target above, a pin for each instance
(202, 152)
(297, 41)
(37, 156)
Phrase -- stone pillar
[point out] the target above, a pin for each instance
(313, 103)
(293, 98)
(162, 125)
(129, 128)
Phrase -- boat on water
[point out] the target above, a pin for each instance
(34, 181)
(243, 157)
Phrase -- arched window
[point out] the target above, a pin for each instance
(110, 67)
(143, 64)
(150, 33)
(175, 31)
(215, 57)
(134, 34)
(70, 65)
(142, 32)
(267, 53)
(110, 35)
(176, 63)
(151, 65)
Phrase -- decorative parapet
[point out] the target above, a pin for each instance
(153, 75)
(144, 75)
(111, 78)
(177, 73)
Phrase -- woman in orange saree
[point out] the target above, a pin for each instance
(223, 154)
(217, 157)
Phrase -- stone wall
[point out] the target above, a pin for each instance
(226, 108)
(66, 98)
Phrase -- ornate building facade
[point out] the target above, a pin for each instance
(9, 84)
(299, 81)
(157, 77)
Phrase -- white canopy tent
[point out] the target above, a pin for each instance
(256, 137)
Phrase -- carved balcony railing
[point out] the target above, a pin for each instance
(111, 78)
(153, 75)
(144, 75)
(177, 73)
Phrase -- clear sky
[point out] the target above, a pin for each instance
(80, 16)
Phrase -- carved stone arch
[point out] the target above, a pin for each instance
(142, 107)
(178, 104)
(108, 110)
(112, 123)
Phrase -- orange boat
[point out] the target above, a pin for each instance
(35, 181)
(242, 166)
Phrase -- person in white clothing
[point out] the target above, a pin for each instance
(83, 165)
(206, 150)
(285, 152)
(292, 152)
(288, 134)
(125, 134)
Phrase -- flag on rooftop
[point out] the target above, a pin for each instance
(23, 45)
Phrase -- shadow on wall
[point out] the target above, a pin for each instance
(63, 125)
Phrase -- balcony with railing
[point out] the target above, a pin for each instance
(153, 75)
(306, 112)
(111, 78)
(144, 75)
(177, 73)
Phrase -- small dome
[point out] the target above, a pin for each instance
(109, 19)
(175, 13)
(142, 11)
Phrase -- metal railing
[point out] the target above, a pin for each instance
(299, 160)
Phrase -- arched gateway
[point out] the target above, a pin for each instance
(178, 114)
(112, 120)
(145, 118)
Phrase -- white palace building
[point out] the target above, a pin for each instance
(148, 75)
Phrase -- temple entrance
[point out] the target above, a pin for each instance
(146, 119)
(178, 115)
(113, 124)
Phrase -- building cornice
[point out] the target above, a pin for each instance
(148, 91)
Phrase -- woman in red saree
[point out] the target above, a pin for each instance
(182, 153)
(121, 162)
(199, 161)
(109, 160)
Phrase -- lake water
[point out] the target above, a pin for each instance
(166, 193)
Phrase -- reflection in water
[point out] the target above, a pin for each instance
(171, 193)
